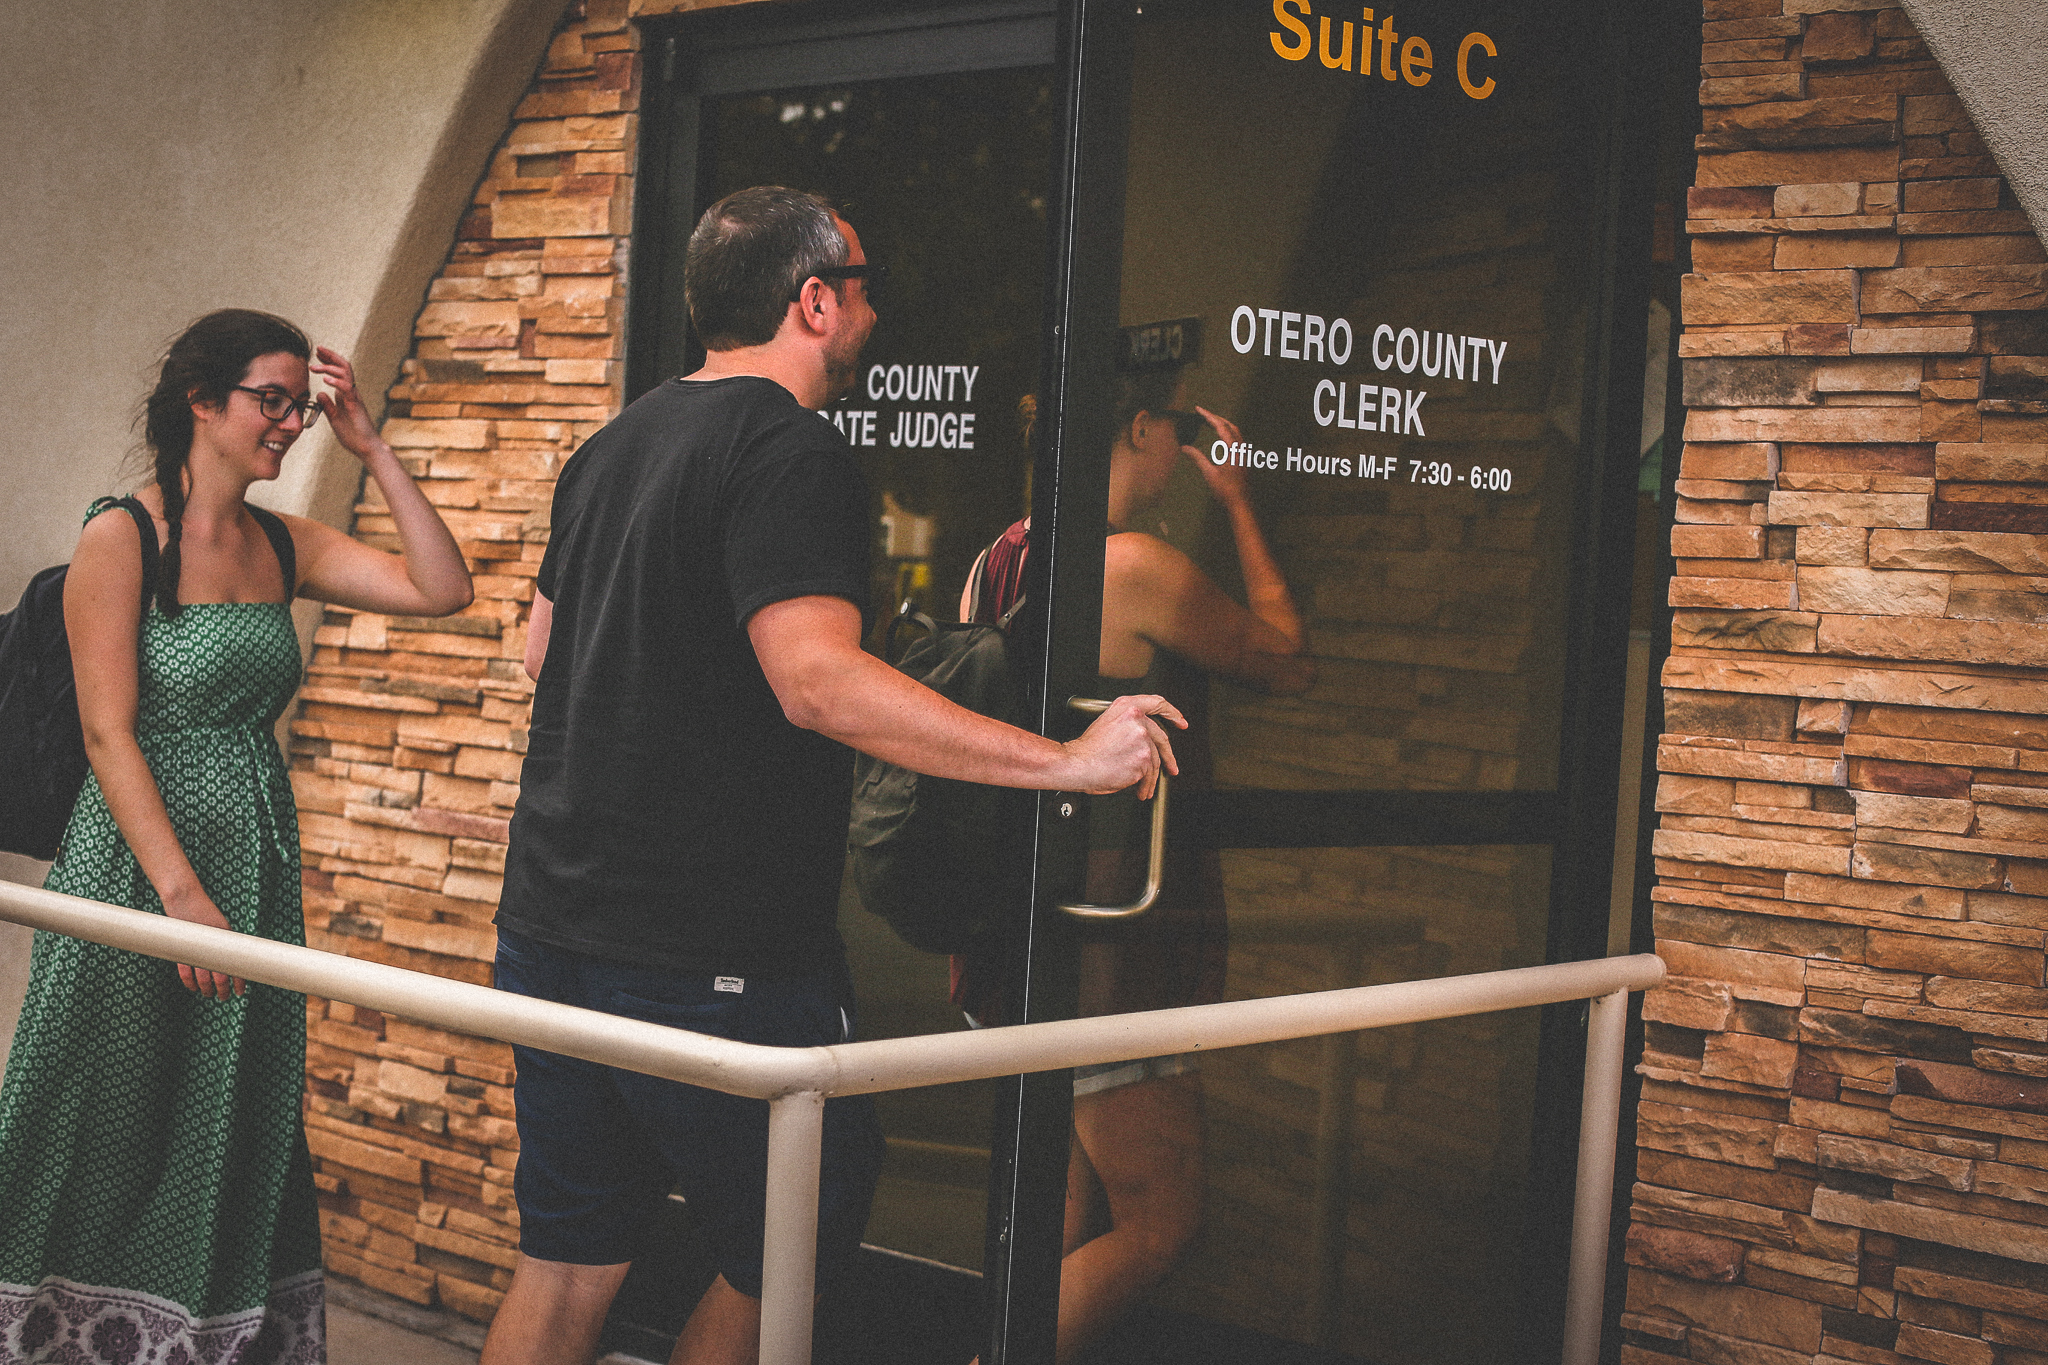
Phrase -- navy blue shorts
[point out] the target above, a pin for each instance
(599, 1148)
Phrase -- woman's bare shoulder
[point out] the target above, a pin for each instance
(1141, 557)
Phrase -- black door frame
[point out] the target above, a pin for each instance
(768, 46)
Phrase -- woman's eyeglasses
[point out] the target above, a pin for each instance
(276, 404)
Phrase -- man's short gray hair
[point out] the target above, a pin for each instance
(751, 252)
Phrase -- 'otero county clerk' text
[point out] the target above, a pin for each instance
(1386, 408)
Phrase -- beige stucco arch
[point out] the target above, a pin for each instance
(305, 157)
(309, 157)
(1995, 53)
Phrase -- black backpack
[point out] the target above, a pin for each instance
(42, 749)
(939, 858)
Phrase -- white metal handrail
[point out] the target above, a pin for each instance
(796, 1081)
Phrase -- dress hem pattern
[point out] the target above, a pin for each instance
(65, 1323)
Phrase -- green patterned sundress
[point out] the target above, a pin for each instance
(156, 1197)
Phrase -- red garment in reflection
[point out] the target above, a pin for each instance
(1176, 952)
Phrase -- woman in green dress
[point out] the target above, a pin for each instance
(156, 1197)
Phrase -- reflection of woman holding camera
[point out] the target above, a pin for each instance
(1137, 1153)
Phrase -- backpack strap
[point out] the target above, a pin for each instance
(280, 537)
(145, 530)
(906, 615)
(974, 583)
(977, 579)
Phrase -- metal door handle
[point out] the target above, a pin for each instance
(1155, 864)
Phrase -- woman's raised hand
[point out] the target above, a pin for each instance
(343, 405)
(1226, 481)
(428, 577)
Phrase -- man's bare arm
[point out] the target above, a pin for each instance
(809, 648)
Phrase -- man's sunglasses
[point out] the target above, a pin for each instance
(871, 271)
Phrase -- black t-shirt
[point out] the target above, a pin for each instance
(668, 812)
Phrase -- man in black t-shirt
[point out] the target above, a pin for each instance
(677, 845)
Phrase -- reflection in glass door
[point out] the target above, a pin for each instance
(1384, 241)
(1397, 331)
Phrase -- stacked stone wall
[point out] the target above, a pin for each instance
(1844, 1126)
(405, 754)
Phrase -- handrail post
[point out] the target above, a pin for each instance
(789, 1251)
(1593, 1204)
(1330, 1209)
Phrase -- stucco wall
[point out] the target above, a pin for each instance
(307, 158)
(1995, 54)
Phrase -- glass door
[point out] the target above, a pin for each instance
(934, 131)
(1398, 258)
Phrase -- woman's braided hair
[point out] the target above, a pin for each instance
(203, 365)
